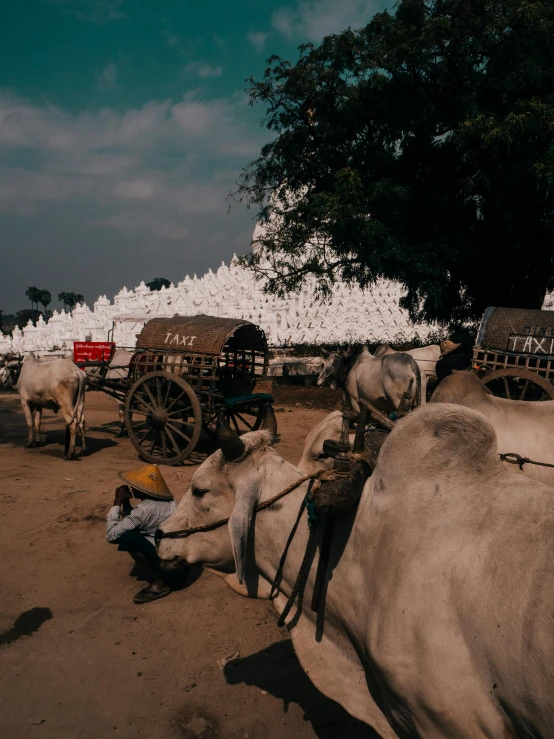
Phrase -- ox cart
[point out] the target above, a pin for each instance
(514, 353)
(184, 373)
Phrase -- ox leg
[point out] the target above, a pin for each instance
(28, 410)
(70, 437)
(82, 434)
(121, 414)
(36, 422)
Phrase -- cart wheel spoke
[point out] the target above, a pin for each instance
(167, 394)
(235, 424)
(145, 435)
(164, 443)
(179, 411)
(172, 439)
(507, 388)
(136, 426)
(175, 400)
(140, 412)
(159, 392)
(141, 399)
(152, 399)
(524, 391)
(178, 431)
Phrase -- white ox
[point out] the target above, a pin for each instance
(57, 384)
(380, 380)
(426, 358)
(439, 606)
(522, 427)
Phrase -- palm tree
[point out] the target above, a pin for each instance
(33, 293)
(62, 297)
(45, 298)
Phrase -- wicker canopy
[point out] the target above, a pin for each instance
(517, 330)
(201, 335)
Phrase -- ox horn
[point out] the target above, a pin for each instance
(228, 440)
(325, 352)
(269, 422)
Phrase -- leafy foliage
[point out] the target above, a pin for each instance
(70, 299)
(419, 148)
(157, 283)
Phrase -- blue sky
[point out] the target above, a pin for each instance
(123, 126)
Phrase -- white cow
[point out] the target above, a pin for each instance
(380, 380)
(57, 384)
(522, 427)
(438, 619)
(426, 358)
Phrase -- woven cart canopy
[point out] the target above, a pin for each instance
(517, 330)
(201, 335)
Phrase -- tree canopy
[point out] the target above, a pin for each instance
(70, 299)
(419, 148)
(157, 283)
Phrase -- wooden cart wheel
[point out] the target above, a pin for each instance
(163, 418)
(518, 384)
(243, 418)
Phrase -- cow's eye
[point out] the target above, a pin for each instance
(199, 492)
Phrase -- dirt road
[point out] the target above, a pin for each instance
(79, 659)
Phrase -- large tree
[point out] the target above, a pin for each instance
(157, 283)
(419, 148)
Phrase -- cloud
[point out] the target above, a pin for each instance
(314, 19)
(107, 76)
(91, 11)
(258, 39)
(203, 70)
(157, 165)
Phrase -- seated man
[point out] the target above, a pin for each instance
(451, 359)
(133, 528)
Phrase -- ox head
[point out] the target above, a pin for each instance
(333, 372)
(227, 485)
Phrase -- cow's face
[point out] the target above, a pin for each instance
(330, 370)
(220, 488)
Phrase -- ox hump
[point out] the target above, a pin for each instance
(440, 439)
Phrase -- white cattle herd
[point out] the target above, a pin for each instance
(438, 617)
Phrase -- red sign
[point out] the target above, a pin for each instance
(93, 351)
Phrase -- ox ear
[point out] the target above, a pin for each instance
(240, 524)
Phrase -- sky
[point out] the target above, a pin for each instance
(124, 124)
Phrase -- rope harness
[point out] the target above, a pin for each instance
(313, 518)
(513, 458)
(183, 533)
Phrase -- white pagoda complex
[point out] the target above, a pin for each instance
(231, 291)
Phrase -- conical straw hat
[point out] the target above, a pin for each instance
(447, 347)
(149, 480)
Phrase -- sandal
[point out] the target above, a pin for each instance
(147, 595)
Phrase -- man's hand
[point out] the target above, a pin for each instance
(122, 495)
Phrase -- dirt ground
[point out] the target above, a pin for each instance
(79, 659)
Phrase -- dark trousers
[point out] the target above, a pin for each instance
(134, 541)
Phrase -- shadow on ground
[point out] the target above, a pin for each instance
(277, 670)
